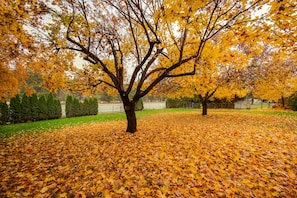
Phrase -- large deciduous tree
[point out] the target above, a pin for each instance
(134, 45)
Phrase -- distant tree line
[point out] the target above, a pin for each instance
(30, 108)
(76, 108)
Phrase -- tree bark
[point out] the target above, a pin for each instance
(131, 117)
(204, 101)
(204, 108)
(283, 101)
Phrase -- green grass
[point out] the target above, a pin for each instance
(261, 106)
(276, 112)
(9, 130)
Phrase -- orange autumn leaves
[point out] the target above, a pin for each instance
(171, 155)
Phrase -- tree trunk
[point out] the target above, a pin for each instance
(204, 108)
(131, 117)
(283, 101)
(204, 101)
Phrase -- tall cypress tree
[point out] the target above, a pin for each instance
(86, 106)
(16, 109)
(50, 106)
(4, 113)
(57, 109)
(34, 107)
(26, 108)
(69, 107)
(42, 108)
(95, 106)
(76, 107)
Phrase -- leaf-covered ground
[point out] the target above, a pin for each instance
(171, 155)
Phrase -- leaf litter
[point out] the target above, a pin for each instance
(171, 155)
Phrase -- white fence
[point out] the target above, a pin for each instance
(118, 107)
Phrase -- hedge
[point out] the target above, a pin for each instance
(30, 109)
(76, 108)
(183, 103)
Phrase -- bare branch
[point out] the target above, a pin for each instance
(166, 73)
(227, 24)
(102, 81)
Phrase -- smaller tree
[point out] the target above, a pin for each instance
(277, 78)
(217, 75)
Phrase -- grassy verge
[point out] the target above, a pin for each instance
(8, 130)
(277, 112)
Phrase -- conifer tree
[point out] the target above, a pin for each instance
(69, 107)
(16, 109)
(50, 106)
(94, 106)
(42, 108)
(34, 107)
(57, 109)
(26, 108)
(76, 107)
(4, 113)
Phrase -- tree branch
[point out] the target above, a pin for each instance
(137, 69)
(166, 73)
(102, 81)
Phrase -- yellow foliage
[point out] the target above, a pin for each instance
(218, 71)
(16, 45)
(277, 80)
